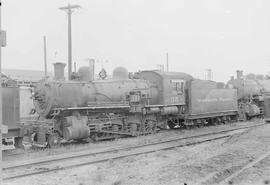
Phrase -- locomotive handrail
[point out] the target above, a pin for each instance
(35, 123)
(93, 108)
(166, 105)
(220, 112)
(108, 103)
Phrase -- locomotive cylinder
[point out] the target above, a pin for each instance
(78, 128)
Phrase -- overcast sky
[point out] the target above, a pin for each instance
(224, 35)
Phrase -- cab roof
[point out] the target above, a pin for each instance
(170, 75)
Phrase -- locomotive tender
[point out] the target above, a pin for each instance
(11, 113)
(121, 106)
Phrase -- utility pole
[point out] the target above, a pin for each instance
(69, 11)
(45, 57)
(3, 129)
(167, 61)
(1, 110)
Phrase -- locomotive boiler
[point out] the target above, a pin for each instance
(62, 95)
(80, 108)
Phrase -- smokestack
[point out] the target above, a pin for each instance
(239, 74)
(59, 71)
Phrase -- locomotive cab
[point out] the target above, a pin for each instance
(170, 86)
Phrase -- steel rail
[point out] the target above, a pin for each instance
(89, 153)
(229, 179)
(46, 170)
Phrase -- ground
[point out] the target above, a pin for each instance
(207, 163)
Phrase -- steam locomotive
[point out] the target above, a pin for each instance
(122, 106)
(127, 105)
(252, 93)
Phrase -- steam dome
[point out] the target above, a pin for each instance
(120, 73)
(85, 73)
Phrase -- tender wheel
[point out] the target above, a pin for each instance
(229, 119)
(115, 128)
(53, 140)
(133, 128)
(219, 121)
(214, 121)
(18, 142)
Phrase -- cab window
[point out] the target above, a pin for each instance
(178, 86)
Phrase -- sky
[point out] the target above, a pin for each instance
(222, 35)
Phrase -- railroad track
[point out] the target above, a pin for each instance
(70, 160)
(229, 179)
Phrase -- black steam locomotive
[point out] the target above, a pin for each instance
(123, 106)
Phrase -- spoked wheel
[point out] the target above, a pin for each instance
(53, 141)
(97, 136)
(219, 121)
(214, 121)
(229, 120)
(151, 127)
(225, 120)
(115, 128)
